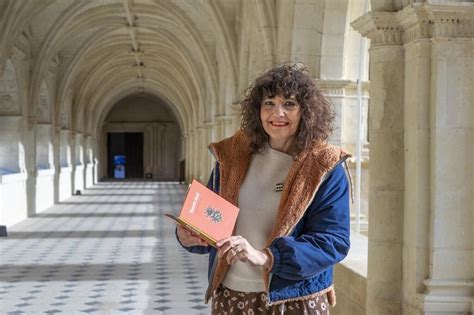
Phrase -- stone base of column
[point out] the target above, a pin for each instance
(448, 297)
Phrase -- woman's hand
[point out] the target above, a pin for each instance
(188, 238)
(238, 248)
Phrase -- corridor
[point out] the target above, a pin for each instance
(107, 251)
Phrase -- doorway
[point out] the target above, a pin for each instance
(126, 147)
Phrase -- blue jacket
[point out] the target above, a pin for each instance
(313, 225)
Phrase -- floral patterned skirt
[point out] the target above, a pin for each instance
(228, 302)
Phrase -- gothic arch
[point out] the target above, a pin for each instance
(9, 99)
(101, 18)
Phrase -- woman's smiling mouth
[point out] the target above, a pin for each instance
(279, 123)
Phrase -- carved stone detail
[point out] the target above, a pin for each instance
(417, 21)
(8, 91)
(382, 28)
(7, 104)
(43, 106)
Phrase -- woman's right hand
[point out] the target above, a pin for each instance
(188, 238)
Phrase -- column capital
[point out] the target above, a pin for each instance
(382, 28)
(429, 21)
(417, 21)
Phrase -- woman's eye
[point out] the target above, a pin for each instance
(290, 104)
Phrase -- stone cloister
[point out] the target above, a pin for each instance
(74, 74)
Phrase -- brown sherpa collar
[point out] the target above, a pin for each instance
(306, 174)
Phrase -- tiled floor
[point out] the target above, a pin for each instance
(109, 251)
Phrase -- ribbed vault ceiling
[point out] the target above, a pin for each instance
(102, 51)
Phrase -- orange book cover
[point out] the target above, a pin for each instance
(207, 214)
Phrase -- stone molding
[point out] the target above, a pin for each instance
(448, 296)
(22, 46)
(417, 21)
(343, 88)
(221, 119)
(235, 108)
(9, 104)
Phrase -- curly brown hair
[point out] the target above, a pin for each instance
(317, 114)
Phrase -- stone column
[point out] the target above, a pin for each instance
(95, 158)
(88, 162)
(192, 155)
(188, 156)
(208, 138)
(450, 285)
(29, 139)
(417, 169)
(78, 162)
(45, 167)
(386, 187)
(236, 119)
(218, 128)
(160, 149)
(437, 111)
(148, 145)
(201, 158)
(65, 165)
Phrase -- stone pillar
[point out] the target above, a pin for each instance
(78, 162)
(201, 153)
(159, 151)
(438, 201)
(450, 286)
(88, 162)
(417, 169)
(148, 141)
(95, 158)
(65, 165)
(29, 139)
(188, 156)
(56, 148)
(236, 118)
(192, 155)
(45, 167)
(209, 131)
(386, 187)
(218, 128)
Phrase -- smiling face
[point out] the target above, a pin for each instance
(280, 118)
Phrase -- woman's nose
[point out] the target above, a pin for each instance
(280, 110)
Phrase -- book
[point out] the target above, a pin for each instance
(206, 214)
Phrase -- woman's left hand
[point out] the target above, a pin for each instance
(238, 248)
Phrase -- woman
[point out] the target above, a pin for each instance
(293, 195)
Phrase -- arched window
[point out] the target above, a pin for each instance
(10, 123)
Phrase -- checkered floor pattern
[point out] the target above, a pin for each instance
(108, 251)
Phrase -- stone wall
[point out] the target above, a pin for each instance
(421, 118)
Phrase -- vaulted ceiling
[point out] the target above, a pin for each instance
(103, 50)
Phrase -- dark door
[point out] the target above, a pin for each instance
(130, 145)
